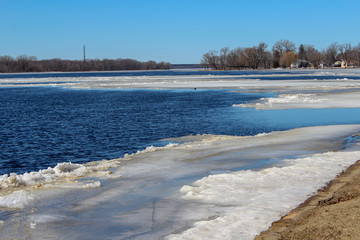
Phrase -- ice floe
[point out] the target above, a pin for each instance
(252, 200)
(300, 100)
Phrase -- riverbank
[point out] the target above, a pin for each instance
(333, 213)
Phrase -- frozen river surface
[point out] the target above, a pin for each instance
(235, 155)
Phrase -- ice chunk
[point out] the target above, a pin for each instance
(66, 172)
(17, 199)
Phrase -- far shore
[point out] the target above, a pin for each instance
(333, 213)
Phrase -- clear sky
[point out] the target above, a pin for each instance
(177, 31)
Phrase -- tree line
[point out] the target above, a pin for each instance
(283, 54)
(26, 63)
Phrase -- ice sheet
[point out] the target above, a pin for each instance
(252, 200)
(305, 80)
(315, 100)
(145, 203)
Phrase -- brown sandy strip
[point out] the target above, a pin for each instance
(334, 213)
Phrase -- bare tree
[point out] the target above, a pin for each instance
(150, 65)
(312, 55)
(211, 60)
(263, 55)
(163, 65)
(330, 54)
(6, 64)
(345, 52)
(283, 46)
(223, 58)
(356, 55)
(233, 57)
(236, 58)
(252, 57)
(257, 56)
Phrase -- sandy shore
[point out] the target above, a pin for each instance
(334, 213)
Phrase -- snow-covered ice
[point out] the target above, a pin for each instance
(158, 191)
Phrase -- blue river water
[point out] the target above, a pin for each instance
(42, 126)
(139, 73)
(262, 75)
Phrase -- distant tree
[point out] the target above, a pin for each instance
(276, 58)
(287, 59)
(268, 59)
(6, 64)
(280, 48)
(345, 52)
(302, 53)
(233, 57)
(211, 60)
(6, 59)
(283, 46)
(257, 56)
(223, 58)
(236, 58)
(163, 65)
(312, 55)
(283, 54)
(205, 61)
(329, 55)
(24, 63)
(356, 54)
(150, 65)
(263, 56)
(251, 57)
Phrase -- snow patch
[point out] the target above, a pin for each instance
(252, 200)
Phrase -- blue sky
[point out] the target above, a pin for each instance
(177, 31)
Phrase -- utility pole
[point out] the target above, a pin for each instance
(84, 52)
